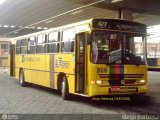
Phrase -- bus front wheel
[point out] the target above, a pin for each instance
(64, 88)
(22, 79)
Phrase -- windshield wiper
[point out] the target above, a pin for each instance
(115, 55)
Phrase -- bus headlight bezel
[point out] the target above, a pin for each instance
(142, 81)
(98, 82)
(101, 82)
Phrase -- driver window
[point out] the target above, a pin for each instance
(105, 47)
(100, 47)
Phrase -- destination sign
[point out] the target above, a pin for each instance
(114, 24)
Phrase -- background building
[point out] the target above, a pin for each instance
(153, 46)
(4, 50)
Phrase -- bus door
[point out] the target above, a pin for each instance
(12, 61)
(80, 64)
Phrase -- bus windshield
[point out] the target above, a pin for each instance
(117, 48)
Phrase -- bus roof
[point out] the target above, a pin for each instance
(54, 29)
(72, 25)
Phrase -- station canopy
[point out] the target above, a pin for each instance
(20, 17)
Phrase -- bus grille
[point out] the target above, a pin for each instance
(133, 75)
(119, 82)
(122, 75)
(115, 82)
(130, 81)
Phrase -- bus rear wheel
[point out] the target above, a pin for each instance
(22, 79)
(64, 88)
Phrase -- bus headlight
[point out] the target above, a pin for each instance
(98, 82)
(141, 81)
(93, 82)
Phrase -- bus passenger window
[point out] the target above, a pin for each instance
(32, 45)
(41, 44)
(18, 46)
(4, 46)
(67, 44)
(72, 46)
(53, 43)
(24, 45)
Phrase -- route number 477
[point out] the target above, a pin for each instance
(102, 24)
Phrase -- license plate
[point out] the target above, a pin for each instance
(118, 89)
(115, 88)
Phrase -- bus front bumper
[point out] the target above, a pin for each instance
(96, 90)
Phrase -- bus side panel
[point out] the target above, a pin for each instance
(27, 74)
(39, 75)
(71, 82)
(22, 63)
(17, 65)
(47, 65)
(17, 73)
(26, 67)
(50, 67)
(65, 63)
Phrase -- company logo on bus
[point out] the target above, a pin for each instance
(62, 63)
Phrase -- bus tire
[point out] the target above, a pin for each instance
(22, 79)
(64, 88)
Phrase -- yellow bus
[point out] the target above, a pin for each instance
(89, 58)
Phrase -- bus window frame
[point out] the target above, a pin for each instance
(50, 43)
(29, 45)
(18, 45)
(71, 40)
(43, 44)
(24, 46)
